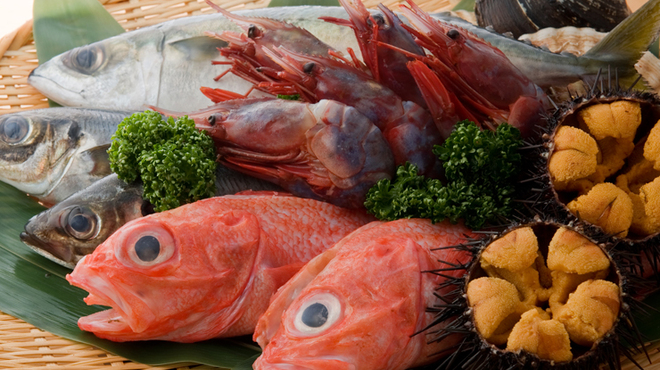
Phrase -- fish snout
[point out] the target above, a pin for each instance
(56, 252)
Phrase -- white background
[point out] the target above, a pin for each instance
(13, 13)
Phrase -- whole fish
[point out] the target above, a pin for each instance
(51, 153)
(75, 226)
(359, 304)
(205, 269)
(165, 65)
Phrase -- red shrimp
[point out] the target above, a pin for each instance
(407, 127)
(326, 151)
(264, 32)
(388, 66)
(479, 75)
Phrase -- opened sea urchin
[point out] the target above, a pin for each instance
(541, 295)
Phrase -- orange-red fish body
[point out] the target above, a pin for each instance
(205, 269)
(359, 304)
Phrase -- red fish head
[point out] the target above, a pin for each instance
(168, 276)
(360, 311)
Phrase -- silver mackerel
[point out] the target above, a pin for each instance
(166, 65)
(51, 153)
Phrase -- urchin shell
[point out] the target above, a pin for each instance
(475, 353)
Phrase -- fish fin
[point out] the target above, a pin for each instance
(99, 156)
(200, 48)
(280, 275)
(631, 37)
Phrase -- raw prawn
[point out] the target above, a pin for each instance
(481, 77)
(264, 32)
(327, 151)
(407, 127)
(388, 66)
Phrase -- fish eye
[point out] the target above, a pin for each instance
(14, 129)
(81, 223)
(147, 248)
(317, 314)
(86, 59)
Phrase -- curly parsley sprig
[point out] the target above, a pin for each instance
(480, 166)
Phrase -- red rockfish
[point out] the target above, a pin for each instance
(359, 304)
(206, 269)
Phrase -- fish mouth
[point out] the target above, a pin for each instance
(121, 322)
(56, 252)
(54, 90)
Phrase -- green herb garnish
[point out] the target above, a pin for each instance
(174, 160)
(480, 166)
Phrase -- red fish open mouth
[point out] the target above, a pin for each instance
(115, 323)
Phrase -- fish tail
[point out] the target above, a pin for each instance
(628, 41)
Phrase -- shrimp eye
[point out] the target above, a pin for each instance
(147, 248)
(14, 129)
(453, 34)
(86, 59)
(380, 21)
(317, 314)
(81, 223)
(211, 120)
(253, 31)
(309, 67)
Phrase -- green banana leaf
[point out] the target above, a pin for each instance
(33, 289)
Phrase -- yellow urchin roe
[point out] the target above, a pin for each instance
(576, 308)
(515, 251)
(646, 208)
(574, 156)
(591, 311)
(619, 119)
(496, 307)
(607, 206)
(571, 252)
(537, 333)
(652, 146)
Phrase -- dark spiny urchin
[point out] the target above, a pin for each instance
(473, 352)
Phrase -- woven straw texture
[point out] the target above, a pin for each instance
(25, 346)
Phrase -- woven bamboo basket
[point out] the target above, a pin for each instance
(25, 346)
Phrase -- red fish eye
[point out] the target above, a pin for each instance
(147, 248)
(316, 314)
(146, 245)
